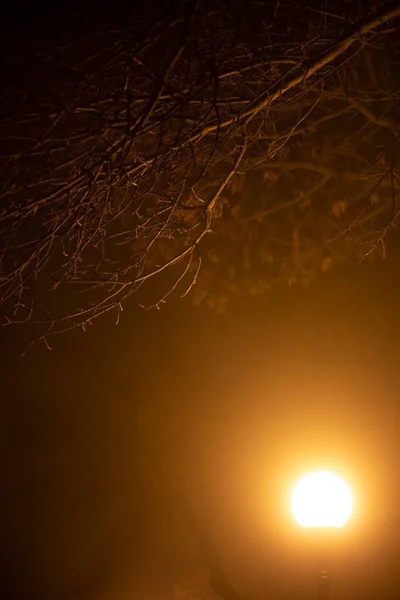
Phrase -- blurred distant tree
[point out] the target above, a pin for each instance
(231, 145)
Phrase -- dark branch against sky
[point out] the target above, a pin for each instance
(175, 154)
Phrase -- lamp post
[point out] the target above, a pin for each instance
(322, 501)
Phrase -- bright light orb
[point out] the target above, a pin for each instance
(321, 499)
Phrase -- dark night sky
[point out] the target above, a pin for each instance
(101, 436)
(104, 437)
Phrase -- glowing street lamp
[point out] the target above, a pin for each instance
(322, 500)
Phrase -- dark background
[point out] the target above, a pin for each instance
(121, 445)
(105, 437)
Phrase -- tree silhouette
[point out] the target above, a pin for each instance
(230, 145)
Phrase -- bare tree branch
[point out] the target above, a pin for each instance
(119, 154)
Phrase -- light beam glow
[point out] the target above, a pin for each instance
(321, 499)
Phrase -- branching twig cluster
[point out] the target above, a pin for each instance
(120, 152)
